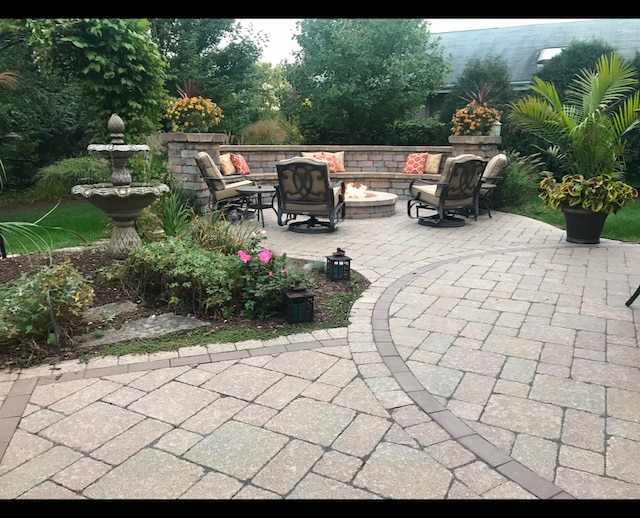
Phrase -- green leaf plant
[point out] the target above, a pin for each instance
(585, 135)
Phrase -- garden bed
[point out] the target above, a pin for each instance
(90, 260)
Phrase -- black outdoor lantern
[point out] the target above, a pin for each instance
(298, 303)
(338, 266)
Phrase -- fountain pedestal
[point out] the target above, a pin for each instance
(121, 200)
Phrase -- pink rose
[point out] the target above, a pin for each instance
(265, 256)
(244, 257)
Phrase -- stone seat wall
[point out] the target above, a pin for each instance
(377, 167)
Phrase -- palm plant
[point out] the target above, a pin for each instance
(586, 133)
(586, 137)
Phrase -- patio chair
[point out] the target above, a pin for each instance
(304, 190)
(222, 194)
(456, 192)
(490, 179)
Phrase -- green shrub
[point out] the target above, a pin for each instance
(180, 275)
(266, 132)
(263, 275)
(212, 232)
(420, 132)
(29, 304)
(520, 182)
(152, 165)
(205, 283)
(176, 216)
(55, 181)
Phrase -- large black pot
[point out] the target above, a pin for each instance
(583, 226)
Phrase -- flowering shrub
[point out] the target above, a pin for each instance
(25, 309)
(263, 276)
(474, 119)
(193, 115)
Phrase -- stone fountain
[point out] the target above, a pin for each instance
(122, 200)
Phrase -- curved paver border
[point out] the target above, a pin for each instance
(452, 424)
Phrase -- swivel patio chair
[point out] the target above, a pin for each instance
(222, 194)
(455, 193)
(304, 189)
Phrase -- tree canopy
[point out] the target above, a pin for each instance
(353, 78)
(490, 73)
(117, 66)
(220, 59)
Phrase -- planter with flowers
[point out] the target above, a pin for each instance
(189, 122)
(475, 129)
(586, 202)
(585, 135)
(193, 115)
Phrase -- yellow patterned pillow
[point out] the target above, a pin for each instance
(432, 165)
(226, 165)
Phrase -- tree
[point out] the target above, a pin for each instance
(488, 77)
(562, 68)
(116, 64)
(220, 60)
(353, 78)
(45, 113)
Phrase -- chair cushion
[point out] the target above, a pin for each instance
(432, 164)
(226, 165)
(232, 189)
(240, 164)
(415, 163)
(495, 166)
(211, 170)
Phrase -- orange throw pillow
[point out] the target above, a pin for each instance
(330, 158)
(240, 164)
(415, 163)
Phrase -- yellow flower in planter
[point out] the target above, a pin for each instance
(193, 115)
(474, 119)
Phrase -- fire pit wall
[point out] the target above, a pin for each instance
(377, 167)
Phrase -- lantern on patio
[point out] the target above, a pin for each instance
(298, 303)
(338, 266)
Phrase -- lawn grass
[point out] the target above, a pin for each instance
(62, 227)
(623, 226)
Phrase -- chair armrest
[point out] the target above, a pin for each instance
(232, 184)
(425, 182)
(492, 179)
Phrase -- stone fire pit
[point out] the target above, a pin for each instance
(362, 203)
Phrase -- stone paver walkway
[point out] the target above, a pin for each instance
(490, 361)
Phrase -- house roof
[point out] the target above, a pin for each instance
(521, 46)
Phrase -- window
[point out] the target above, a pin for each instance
(548, 53)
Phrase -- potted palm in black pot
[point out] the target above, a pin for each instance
(586, 136)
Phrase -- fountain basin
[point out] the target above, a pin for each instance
(108, 197)
(123, 204)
